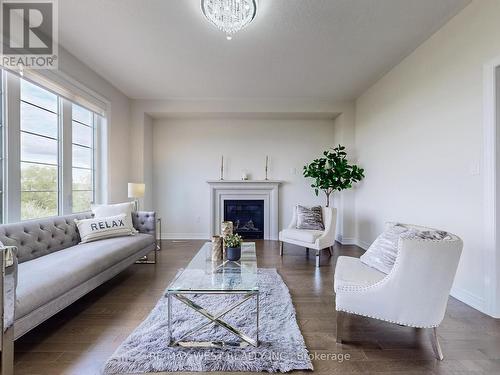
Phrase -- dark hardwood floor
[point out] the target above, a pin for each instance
(79, 339)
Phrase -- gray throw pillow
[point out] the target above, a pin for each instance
(435, 235)
(310, 218)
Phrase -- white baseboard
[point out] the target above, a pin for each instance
(353, 241)
(346, 240)
(363, 244)
(469, 299)
(185, 236)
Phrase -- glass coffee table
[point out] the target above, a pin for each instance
(202, 276)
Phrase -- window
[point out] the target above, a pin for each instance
(39, 124)
(83, 158)
(48, 153)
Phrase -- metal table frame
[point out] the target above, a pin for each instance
(212, 319)
(145, 259)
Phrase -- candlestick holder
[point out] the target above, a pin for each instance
(222, 168)
(267, 166)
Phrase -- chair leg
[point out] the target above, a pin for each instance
(435, 344)
(330, 250)
(340, 326)
(317, 257)
(281, 248)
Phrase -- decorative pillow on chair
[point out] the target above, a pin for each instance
(310, 218)
(434, 235)
(99, 228)
(381, 255)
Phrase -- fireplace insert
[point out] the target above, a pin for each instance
(247, 217)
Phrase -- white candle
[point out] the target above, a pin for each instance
(267, 162)
(222, 167)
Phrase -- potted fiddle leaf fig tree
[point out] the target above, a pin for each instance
(332, 172)
(233, 247)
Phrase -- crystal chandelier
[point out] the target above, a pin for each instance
(229, 16)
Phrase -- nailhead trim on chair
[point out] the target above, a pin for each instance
(389, 321)
(353, 288)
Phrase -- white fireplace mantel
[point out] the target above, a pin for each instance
(266, 190)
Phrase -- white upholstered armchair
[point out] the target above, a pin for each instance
(414, 293)
(312, 239)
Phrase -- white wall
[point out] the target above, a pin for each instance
(419, 136)
(118, 153)
(143, 110)
(493, 236)
(344, 201)
(187, 153)
(148, 162)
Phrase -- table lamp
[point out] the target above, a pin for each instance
(136, 191)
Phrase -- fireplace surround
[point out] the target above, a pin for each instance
(238, 190)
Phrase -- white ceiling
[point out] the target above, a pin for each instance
(329, 49)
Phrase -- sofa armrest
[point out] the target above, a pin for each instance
(8, 283)
(145, 222)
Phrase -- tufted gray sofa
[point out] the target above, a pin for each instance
(54, 270)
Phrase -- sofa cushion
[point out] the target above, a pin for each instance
(302, 235)
(42, 279)
(352, 272)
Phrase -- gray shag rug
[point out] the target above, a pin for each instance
(282, 347)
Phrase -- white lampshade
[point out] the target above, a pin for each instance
(136, 190)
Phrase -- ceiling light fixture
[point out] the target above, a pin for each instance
(229, 16)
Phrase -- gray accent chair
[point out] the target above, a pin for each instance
(45, 269)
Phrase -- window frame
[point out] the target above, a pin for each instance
(57, 139)
(2, 149)
(10, 126)
(93, 155)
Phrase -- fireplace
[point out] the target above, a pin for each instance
(247, 217)
(232, 190)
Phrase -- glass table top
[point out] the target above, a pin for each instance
(203, 275)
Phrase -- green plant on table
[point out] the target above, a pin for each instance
(233, 240)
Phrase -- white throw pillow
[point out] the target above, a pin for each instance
(98, 228)
(382, 254)
(107, 210)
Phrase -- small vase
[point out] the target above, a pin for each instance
(216, 248)
(233, 253)
(226, 228)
